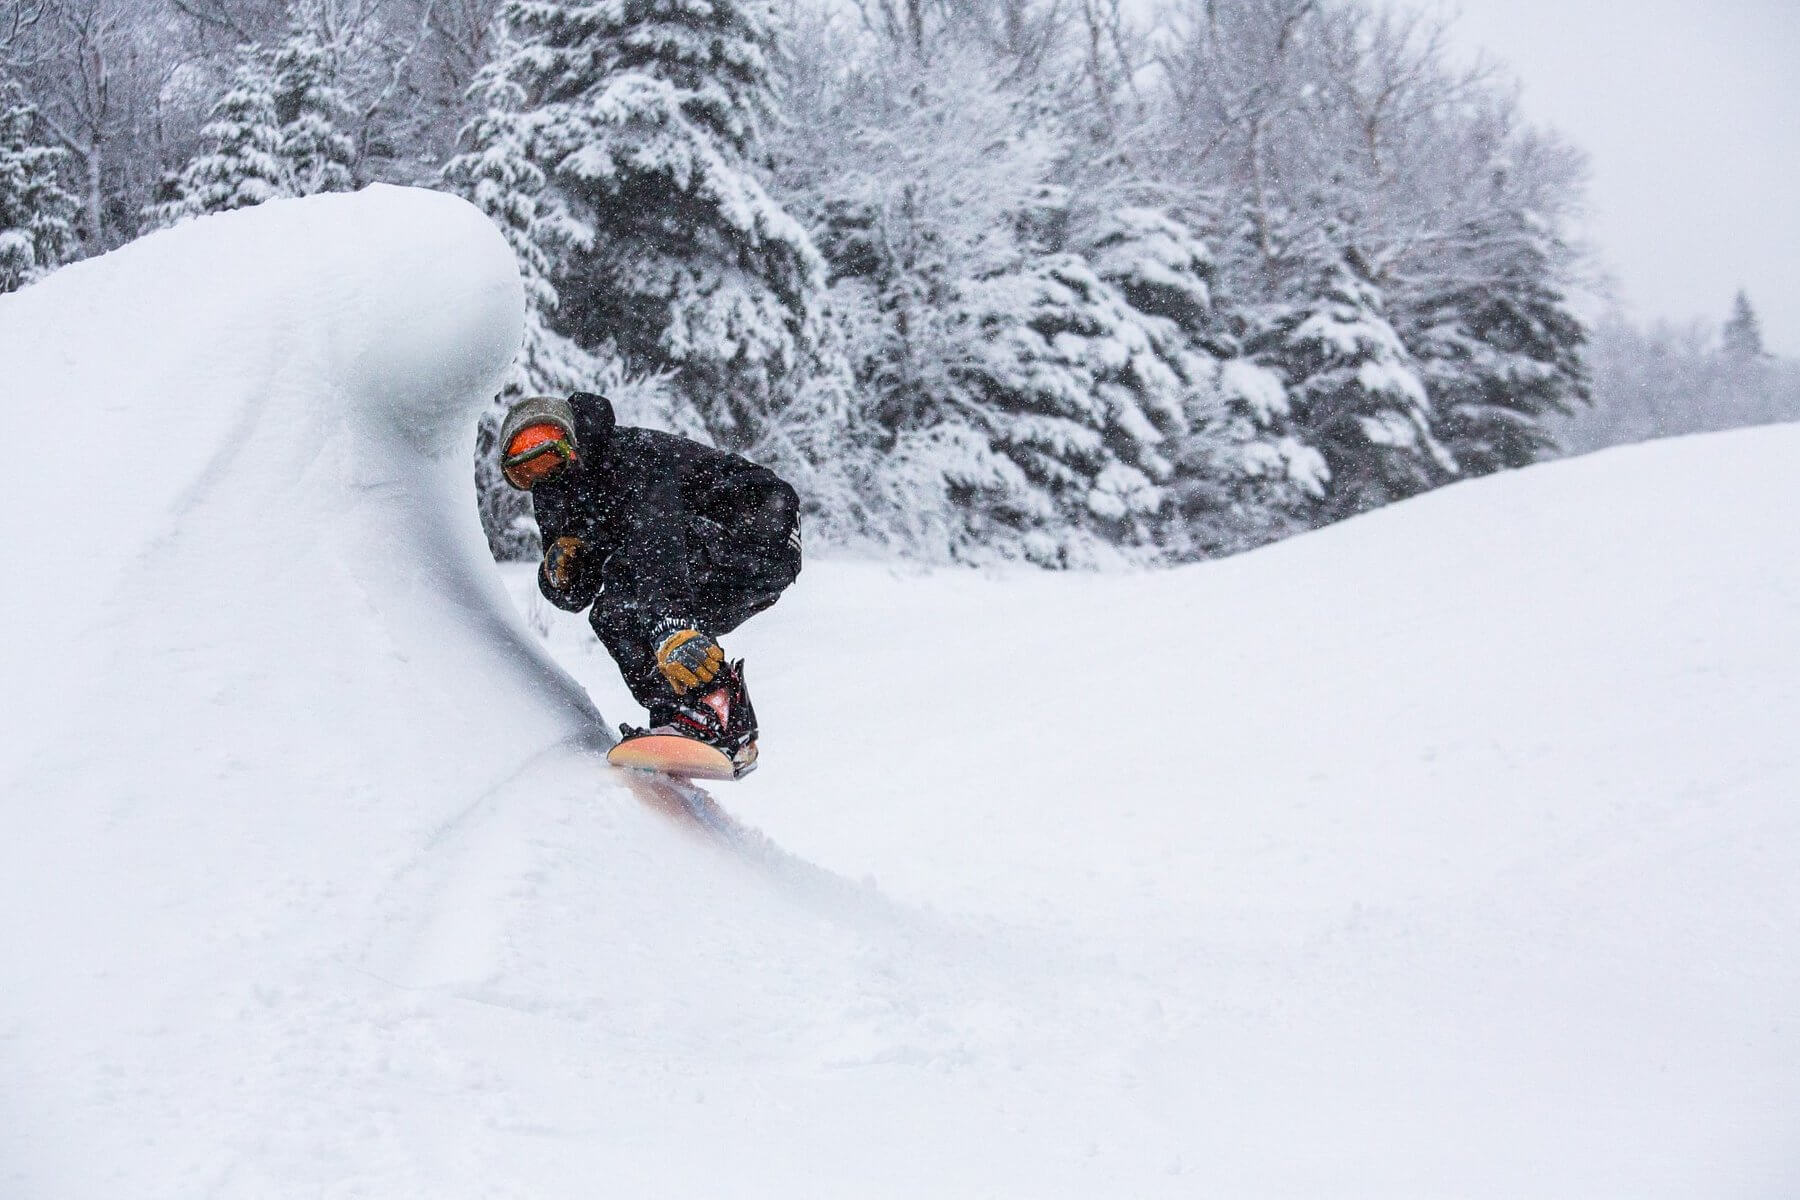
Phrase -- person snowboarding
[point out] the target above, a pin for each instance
(670, 545)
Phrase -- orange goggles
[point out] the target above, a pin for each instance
(536, 453)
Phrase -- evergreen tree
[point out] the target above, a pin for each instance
(1163, 268)
(1242, 474)
(311, 109)
(241, 164)
(1356, 393)
(932, 167)
(1245, 475)
(1500, 350)
(1742, 338)
(498, 176)
(646, 118)
(1077, 388)
(36, 212)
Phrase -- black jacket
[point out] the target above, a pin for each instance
(634, 496)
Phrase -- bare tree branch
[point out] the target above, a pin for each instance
(18, 18)
(217, 14)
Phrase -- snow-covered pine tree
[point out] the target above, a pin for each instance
(1242, 477)
(1498, 347)
(241, 163)
(1093, 366)
(36, 212)
(1355, 390)
(497, 175)
(1021, 396)
(311, 109)
(1163, 268)
(646, 118)
(931, 167)
(1742, 336)
(1078, 389)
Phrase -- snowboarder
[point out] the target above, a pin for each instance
(672, 543)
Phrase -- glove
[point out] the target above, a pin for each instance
(560, 561)
(688, 658)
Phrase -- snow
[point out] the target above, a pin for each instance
(1290, 459)
(1259, 390)
(1448, 851)
(1382, 378)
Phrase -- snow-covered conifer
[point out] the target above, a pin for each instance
(1742, 336)
(1356, 392)
(1078, 388)
(1162, 267)
(1498, 346)
(497, 175)
(932, 165)
(312, 110)
(36, 211)
(1018, 395)
(241, 163)
(646, 116)
(1243, 475)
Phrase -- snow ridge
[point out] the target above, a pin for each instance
(275, 620)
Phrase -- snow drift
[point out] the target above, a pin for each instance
(1476, 879)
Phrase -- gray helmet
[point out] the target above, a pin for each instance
(549, 411)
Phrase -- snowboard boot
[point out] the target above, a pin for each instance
(720, 716)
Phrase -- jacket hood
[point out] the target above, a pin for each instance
(594, 420)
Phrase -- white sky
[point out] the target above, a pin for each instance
(1690, 112)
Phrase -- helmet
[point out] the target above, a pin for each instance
(537, 440)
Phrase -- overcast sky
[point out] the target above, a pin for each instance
(1690, 113)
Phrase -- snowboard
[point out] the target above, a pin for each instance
(681, 757)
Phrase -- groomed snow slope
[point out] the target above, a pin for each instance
(1478, 880)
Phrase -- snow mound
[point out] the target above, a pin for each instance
(263, 617)
(255, 433)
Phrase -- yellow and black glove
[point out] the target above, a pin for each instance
(561, 558)
(688, 658)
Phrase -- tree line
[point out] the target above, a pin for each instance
(989, 279)
(1667, 380)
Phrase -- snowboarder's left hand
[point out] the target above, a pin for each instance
(688, 658)
(560, 560)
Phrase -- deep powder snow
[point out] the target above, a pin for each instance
(1446, 852)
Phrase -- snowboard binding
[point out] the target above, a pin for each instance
(704, 735)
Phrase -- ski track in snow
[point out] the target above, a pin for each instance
(1476, 880)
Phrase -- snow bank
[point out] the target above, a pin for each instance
(243, 426)
(261, 619)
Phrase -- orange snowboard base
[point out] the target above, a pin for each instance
(682, 757)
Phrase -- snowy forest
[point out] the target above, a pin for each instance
(1070, 282)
